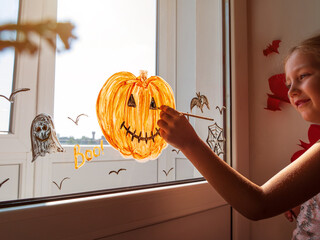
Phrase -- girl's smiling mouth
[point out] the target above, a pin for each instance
(301, 102)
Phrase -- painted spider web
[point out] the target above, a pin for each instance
(216, 139)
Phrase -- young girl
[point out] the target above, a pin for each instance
(292, 186)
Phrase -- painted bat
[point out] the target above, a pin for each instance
(60, 185)
(13, 94)
(167, 173)
(199, 101)
(77, 119)
(117, 172)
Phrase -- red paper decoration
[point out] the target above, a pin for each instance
(279, 90)
(313, 136)
(272, 48)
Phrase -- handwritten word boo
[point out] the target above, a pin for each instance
(88, 155)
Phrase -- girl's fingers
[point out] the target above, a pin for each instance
(170, 111)
(162, 124)
(163, 134)
(166, 117)
(289, 216)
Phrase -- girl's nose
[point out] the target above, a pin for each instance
(293, 90)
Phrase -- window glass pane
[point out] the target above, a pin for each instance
(120, 35)
(9, 10)
(113, 36)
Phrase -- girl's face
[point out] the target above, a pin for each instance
(303, 80)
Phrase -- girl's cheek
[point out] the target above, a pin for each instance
(291, 101)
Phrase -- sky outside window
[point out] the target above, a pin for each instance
(113, 36)
(9, 10)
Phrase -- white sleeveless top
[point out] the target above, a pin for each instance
(308, 220)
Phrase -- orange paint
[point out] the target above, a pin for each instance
(87, 156)
(128, 110)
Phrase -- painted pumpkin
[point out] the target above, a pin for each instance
(127, 111)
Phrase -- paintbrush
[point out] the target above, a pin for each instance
(196, 116)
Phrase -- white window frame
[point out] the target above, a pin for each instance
(15, 147)
(94, 217)
(25, 76)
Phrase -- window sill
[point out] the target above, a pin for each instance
(105, 215)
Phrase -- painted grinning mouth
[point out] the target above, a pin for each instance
(134, 135)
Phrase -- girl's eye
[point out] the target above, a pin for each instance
(302, 76)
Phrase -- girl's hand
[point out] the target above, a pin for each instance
(175, 129)
(292, 214)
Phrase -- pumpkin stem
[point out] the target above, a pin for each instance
(143, 75)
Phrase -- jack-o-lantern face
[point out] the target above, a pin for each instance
(128, 111)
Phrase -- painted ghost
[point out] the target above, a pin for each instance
(43, 137)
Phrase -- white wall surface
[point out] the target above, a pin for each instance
(274, 135)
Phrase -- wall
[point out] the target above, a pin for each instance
(188, 211)
(274, 135)
(202, 225)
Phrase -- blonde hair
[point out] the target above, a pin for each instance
(309, 46)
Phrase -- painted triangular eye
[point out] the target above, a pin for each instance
(131, 102)
(153, 104)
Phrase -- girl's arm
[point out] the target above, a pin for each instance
(292, 186)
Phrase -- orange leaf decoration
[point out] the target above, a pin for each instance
(127, 111)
